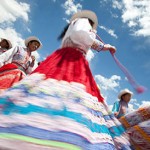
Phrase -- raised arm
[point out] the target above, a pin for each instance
(7, 56)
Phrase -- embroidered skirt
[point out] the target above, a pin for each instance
(9, 74)
(59, 107)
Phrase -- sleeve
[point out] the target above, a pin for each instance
(7, 56)
(115, 107)
(82, 33)
(97, 45)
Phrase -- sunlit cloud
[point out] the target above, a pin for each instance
(131, 107)
(136, 14)
(90, 55)
(145, 103)
(109, 31)
(108, 83)
(12, 10)
(134, 102)
(70, 7)
(12, 35)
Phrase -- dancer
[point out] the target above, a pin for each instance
(120, 108)
(59, 105)
(17, 62)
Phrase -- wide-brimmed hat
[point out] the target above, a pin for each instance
(32, 38)
(9, 43)
(86, 14)
(125, 91)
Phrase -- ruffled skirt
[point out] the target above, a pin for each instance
(9, 74)
(54, 108)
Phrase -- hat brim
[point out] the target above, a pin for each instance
(32, 38)
(124, 92)
(86, 14)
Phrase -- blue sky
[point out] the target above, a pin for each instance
(124, 24)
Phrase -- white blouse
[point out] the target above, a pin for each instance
(17, 55)
(2, 50)
(81, 35)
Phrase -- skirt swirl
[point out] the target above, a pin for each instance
(54, 109)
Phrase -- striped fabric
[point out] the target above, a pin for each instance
(45, 114)
(9, 75)
(137, 124)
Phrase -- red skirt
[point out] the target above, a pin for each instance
(70, 65)
(9, 74)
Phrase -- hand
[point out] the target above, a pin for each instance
(116, 114)
(33, 58)
(109, 47)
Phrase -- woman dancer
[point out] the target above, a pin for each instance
(17, 62)
(59, 106)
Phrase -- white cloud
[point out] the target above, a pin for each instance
(136, 14)
(108, 83)
(67, 20)
(71, 7)
(114, 15)
(103, 2)
(131, 23)
(145, 103)
(134, 102)
(12, 10)
(117, 4)
(12, 35)
(131, 107)
(109, 31)
(90, 55)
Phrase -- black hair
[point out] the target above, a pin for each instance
(33, 41)
(60, 37)
(91, 22)
(7, 44)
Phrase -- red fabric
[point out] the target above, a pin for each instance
(70, 65)
(8, 67)
(9, 74)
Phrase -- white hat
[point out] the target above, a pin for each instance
(32, 38)
(86, 14)
(9, 43)
(125, 91)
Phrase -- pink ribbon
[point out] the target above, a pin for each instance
(138, 88)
